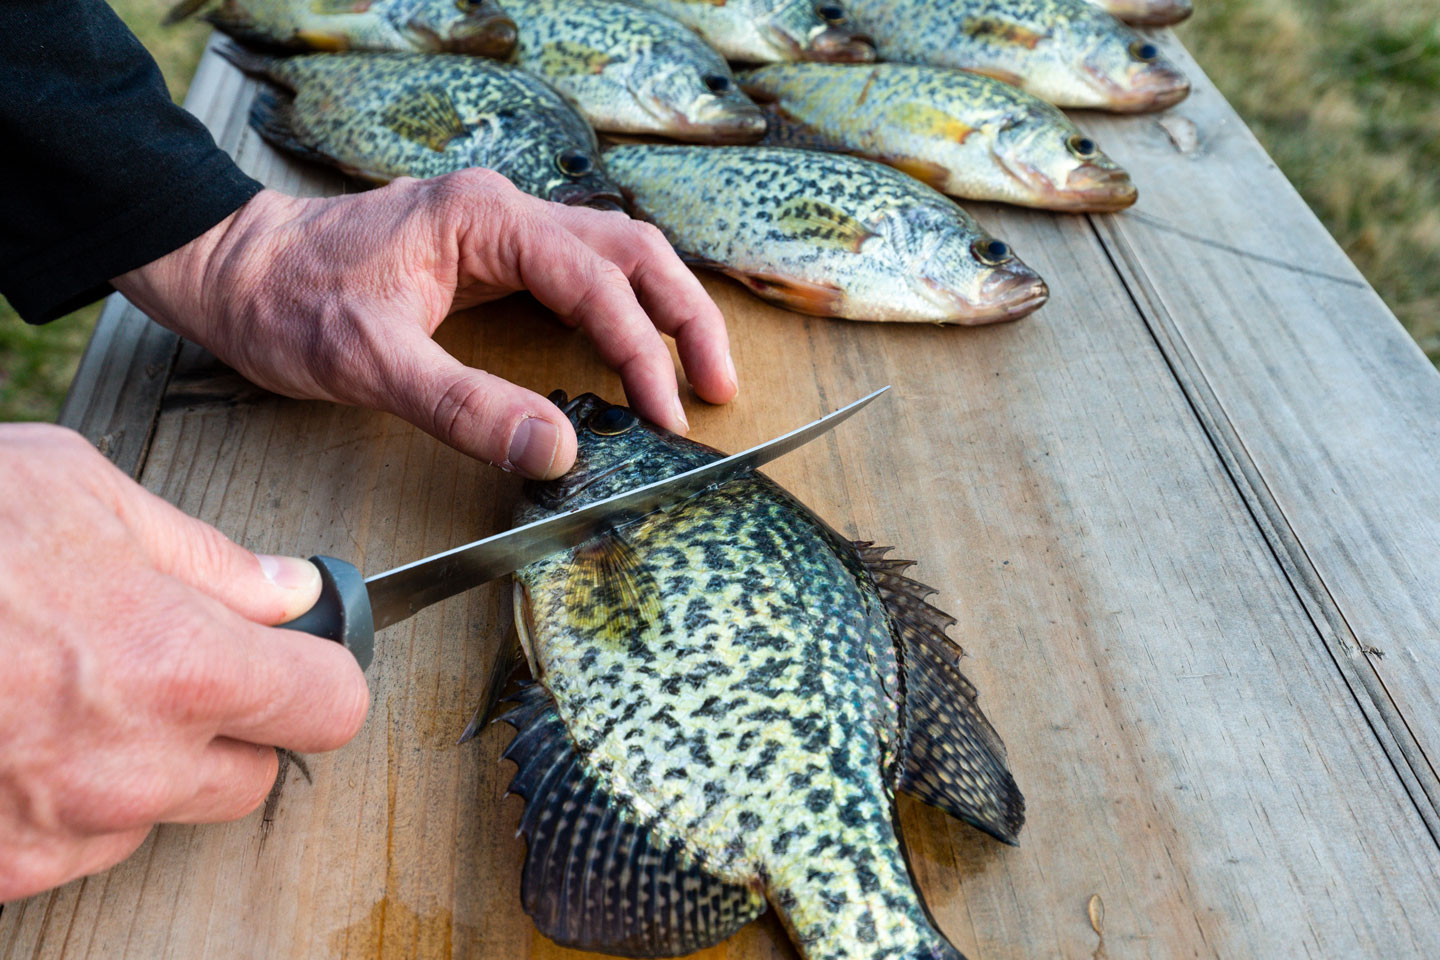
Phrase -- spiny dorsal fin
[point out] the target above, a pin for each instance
(597, 877)
(426, 116)
(953, 758)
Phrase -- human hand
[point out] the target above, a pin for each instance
(138, 683)
(337, 299)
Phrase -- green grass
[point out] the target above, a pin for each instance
(1345, 94)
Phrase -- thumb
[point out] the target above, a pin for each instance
(265, 589)
(476, 412)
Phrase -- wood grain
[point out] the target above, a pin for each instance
(1190, 750)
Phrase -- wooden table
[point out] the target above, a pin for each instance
(1188, 516)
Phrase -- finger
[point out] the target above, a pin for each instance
(226, 782)
(672, 295)
(593, 293)
(46, 864)
(261, 588)
(476, 412)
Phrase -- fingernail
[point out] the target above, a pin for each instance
(532, 449)
(290, 573)
(730, 369)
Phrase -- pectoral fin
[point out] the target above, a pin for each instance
(427, 116)
(822, 223)
(611, 595)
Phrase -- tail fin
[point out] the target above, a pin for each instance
(247, 61)
(183, 10)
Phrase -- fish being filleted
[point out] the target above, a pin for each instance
(1068, 52)
(630, 69)
(727, 695)
(475, 27)
(826, 234)
(379, 116)
(764, 31)
(1147, 13)
(963, 134)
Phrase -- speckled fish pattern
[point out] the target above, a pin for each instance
(1068, 52)
(961, 133)
(728, 695)
(476, 27)
(824, 233)
(380, 116)
(630, 69)
(767, 31)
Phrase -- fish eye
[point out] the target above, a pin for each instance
(831, 13)
(612, 421)
(467, 6)
(573, 163)
(717, 83)
(1082, 146)
(991, 252)
(1144, 51)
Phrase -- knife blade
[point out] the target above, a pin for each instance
(352, 608)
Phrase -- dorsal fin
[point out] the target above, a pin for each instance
(952, 757)
(597, 876)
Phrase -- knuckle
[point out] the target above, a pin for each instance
(252, 793)
(653, 237)
(465, 402)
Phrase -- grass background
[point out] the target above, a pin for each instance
(1345, 94)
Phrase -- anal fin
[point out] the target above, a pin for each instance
(952, 758)
(596, 875)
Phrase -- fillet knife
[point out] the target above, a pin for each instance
(352, 607)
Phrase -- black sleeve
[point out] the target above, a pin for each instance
(100, 172)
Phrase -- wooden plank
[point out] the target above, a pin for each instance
(1323, 406)
(1189, 750)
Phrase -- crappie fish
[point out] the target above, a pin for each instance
(631, 69)
(963, 134)
(379, 116)
(762, 31)
(1068, 52)
(1147, 13)
(826, 234)
(476, 27)
(727, 695)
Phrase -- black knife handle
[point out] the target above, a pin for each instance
(343, 612)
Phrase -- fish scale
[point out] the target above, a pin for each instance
(723, 717)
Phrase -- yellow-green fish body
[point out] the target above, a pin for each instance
(1068, 52)
(1147, 13)
(826, 234)
(961, 133)
(763, 31)
(728, 695)
(476, 27)
(630, 69)
(379, 116)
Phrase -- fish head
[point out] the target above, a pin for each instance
(476, 27)
(615, 451)
(690, 98)
(1130, 73)
(548, 151)
(957, 271)
(813, 30)
(1060, 167)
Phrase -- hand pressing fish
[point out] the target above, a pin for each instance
(728, 693)
(475, 27)
(762, 31)
(1147, 13)
(826, 234)
(963, 134)
(1068, 52)
(379, 116)
(630, 69)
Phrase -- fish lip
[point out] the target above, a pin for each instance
(1162, 15)
(1156, 87)
(838, 45)
(731, 127)
(1019, 290)
(1093, 188)
(579, 195)
(494, 36)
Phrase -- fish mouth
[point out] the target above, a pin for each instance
(1010, 292)
(728, 125)
(581, 195)
(1093, 188)
(1157, 86)
(1147, 13)
(838, 45)
(489, 35)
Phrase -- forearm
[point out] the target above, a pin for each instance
(102, 172)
